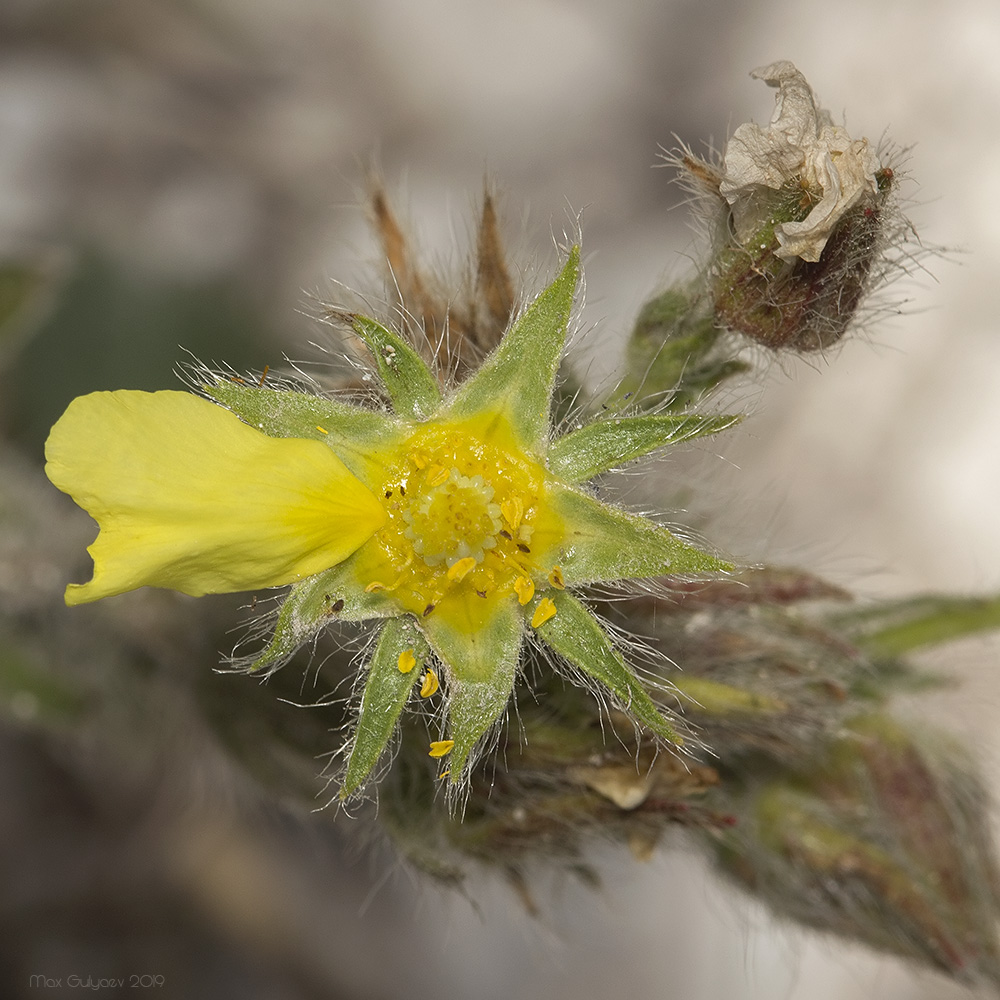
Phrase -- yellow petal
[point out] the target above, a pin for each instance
(440, 747)
(189, 497)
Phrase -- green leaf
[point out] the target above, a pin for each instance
(385, 694)
(480, 669)
(605, 444)
(311, 605)
(355, 434)
(411, 385)
(900, 627)
(574, 633)
(604, 543)
(518, 378)
(717, 699)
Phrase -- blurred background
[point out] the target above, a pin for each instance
(189, 176)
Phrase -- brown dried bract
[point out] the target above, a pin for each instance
(453, 331)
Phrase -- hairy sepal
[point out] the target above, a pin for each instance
(385, 693)
(517, 380)
(312, 605)
(410, 384)
(480, 669)
(356, 435)
(604, 544)
(576, 635)
(610, 443)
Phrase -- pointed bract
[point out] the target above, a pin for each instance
(480, 669)
(518, 378)
(611, 443)
(358, 437)
(386, 690)
(575, 634)
(411, 385)
(312, 604)
(604, 544)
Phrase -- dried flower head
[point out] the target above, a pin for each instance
(805, 219)
(803, 148)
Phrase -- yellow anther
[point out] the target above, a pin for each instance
(444, 774)
(322, 430)
(374, 586)
(525, 589)
(437, 474)
(513, 510)
(440, 747)
(419, 459)
(556, 578)
(429, 683)
(406, 662)
(461, 569)
(545, 610)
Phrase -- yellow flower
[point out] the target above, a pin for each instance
(444, 519)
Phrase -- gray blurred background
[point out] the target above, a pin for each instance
(192, 171)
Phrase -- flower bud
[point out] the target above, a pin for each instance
(883, 838)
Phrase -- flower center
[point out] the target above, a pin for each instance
(466, 517)
(454, 519)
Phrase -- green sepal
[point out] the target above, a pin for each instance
(575, 634)
(354, 434)
(385, 694)
(312, 604)
(480, 669)
(411, 385)
(604, 543)
(676, 354)
(613, 441)
(518, 378)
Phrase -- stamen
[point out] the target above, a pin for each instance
(429, 683)
(437, 475)
(513, 510)
(322, 430)
(462, 568)
(524, 586)
(545, 610)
